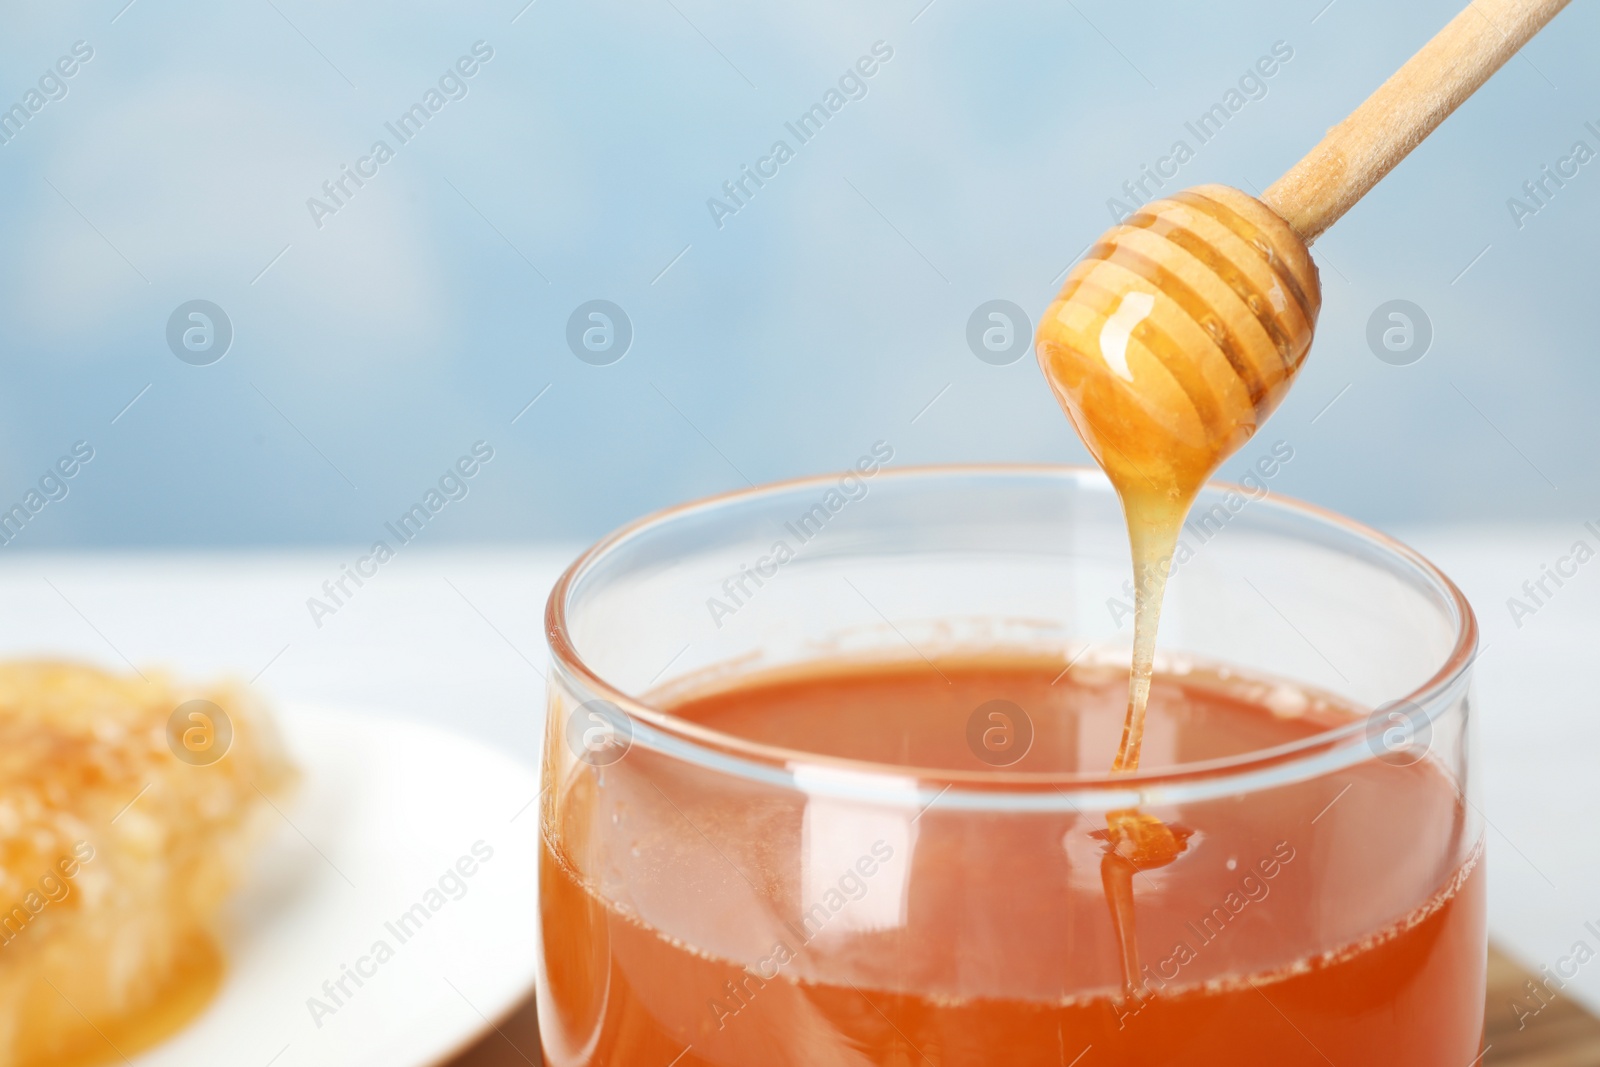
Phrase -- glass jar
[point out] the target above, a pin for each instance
(710, 899)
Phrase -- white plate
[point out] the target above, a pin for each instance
(387, 809)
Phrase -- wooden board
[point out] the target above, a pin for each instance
(1561, 1035)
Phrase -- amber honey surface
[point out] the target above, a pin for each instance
(1289, 931)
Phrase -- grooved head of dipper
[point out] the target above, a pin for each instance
(1178, 333)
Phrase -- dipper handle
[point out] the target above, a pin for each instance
(1359, 151)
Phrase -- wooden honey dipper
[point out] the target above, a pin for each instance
(1180, 331)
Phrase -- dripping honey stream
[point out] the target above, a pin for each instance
(1170, 343)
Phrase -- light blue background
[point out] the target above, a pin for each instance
(824, 316)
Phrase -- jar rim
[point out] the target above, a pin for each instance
(1002, 788)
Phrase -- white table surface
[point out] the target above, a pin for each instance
(455, 638)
